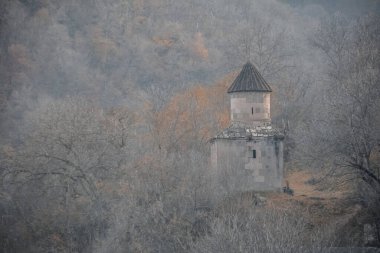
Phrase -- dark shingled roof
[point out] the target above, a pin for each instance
(249, 79)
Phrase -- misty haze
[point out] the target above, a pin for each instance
(195, 126)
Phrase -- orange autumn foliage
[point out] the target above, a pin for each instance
(199, 46)
(162, 41)
(194, 115)
(43, 15)
(20, 59)
(137, 5)
(103, 46)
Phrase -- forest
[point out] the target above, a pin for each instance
(107, 109)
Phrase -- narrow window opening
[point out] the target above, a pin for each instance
(252, 110)
(254, 153)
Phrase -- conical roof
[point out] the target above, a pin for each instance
(249, 80)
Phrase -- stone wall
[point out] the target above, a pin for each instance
(252, 108)
(236, 169)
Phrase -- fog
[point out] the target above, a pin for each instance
(106, 109)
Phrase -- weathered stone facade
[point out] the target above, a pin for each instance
(248, 155)
(251, 108)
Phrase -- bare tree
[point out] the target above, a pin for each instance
(71, 152)
(352, 93)
(262, 230)
(342, 135)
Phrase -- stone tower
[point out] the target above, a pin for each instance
(250, 98)
(248, 155)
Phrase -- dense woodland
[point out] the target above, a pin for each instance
(107, 107)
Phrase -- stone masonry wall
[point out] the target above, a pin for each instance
(252, 108)
(237, 170)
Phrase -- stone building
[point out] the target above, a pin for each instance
(248, 155)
